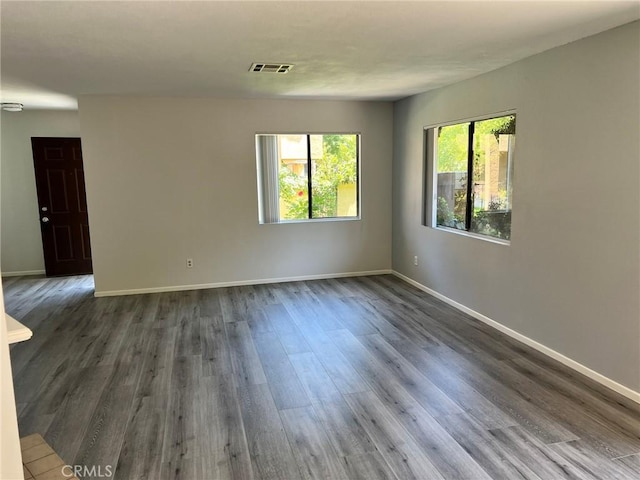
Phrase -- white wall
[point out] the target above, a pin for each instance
(10, 454)
(171, 178)
(20, 223)
(570, 278)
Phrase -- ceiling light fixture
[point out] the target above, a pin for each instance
(12, 107)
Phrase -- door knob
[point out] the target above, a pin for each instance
(45, 219)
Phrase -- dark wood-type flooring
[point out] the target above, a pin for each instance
(360, 378)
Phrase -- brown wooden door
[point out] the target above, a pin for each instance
(62, 205)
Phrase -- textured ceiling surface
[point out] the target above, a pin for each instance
(52, 52)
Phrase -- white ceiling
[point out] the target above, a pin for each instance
(51, 51)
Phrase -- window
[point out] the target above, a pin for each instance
(304, 177)
(473, 175)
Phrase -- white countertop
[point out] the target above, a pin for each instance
(17, 332)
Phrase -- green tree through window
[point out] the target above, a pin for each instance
(474, 188)
(333, 170)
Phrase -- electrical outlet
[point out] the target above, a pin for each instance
(189, 262)
(415, 260)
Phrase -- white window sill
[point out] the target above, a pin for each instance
(314, 220)
(464, 233)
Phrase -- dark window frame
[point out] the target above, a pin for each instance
(310, 177)
(310, 172)
(430, 203)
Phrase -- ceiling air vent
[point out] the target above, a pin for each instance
(271, 67)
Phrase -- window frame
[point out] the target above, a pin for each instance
(430, 183)
(310, 218)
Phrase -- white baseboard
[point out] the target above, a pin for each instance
(592, 374)
(203, 286)
(23, 273)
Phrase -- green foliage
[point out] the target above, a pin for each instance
(493, 126)
(453, 141)
(337, 166)
(497, 126)
(293, 190)
(453, 145)
(503, 126)
(444, 215)
(495, 222)
(450, 218)
(452, 156)
(460, 205)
